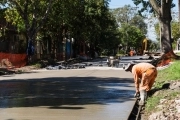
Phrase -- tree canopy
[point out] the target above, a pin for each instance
(88, 21)
(162, 10)
(132, 27)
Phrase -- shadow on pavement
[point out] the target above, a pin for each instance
(58, 91)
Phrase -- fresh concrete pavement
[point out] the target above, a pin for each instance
(101, 93)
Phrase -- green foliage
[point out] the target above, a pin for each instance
(88, 20)
(147, 6)
(152, 45)
(164, 76)
(157, 31)
(152, 102)
(162, 9)
(129, 15)
(12, 16)
(174, 29)
(121, 53)
(27, 15)
(171, 73)
(131, 36)
(132, 26)
(37, 65)
(139, 22)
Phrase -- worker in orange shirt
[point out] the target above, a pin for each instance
(144, 78)
(131, 53)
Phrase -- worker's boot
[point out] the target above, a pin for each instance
(143, 97)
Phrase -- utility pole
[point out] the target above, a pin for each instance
(179, 9)
(179, 25)
(160, 43)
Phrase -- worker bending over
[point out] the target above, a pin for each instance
(144, 77)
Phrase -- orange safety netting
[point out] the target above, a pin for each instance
(164, 62)
(166, 58)
(17, 60)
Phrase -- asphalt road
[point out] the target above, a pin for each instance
(75, 94)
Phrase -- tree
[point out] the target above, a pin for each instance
(28, 15)
(131, 37)
(175, 32)
(139, 22)
(131, 25)
(129, 15)
(84, 19)
(162, 9)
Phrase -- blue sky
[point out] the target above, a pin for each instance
(121, 3)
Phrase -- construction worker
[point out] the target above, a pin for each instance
(131, 53)
(144, 77)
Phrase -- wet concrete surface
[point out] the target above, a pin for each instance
(67, 95)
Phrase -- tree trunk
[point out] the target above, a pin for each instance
(166, 41)
(31, 36)
(164, 15)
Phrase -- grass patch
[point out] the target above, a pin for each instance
(164, 76)
(154, 100)
(168, 74)
(37, 65)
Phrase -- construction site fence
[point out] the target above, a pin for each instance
(17, 60)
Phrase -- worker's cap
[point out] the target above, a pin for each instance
(129, 67)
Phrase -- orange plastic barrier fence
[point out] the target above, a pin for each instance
(18, 60)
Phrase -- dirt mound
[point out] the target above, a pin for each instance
(5, 63)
